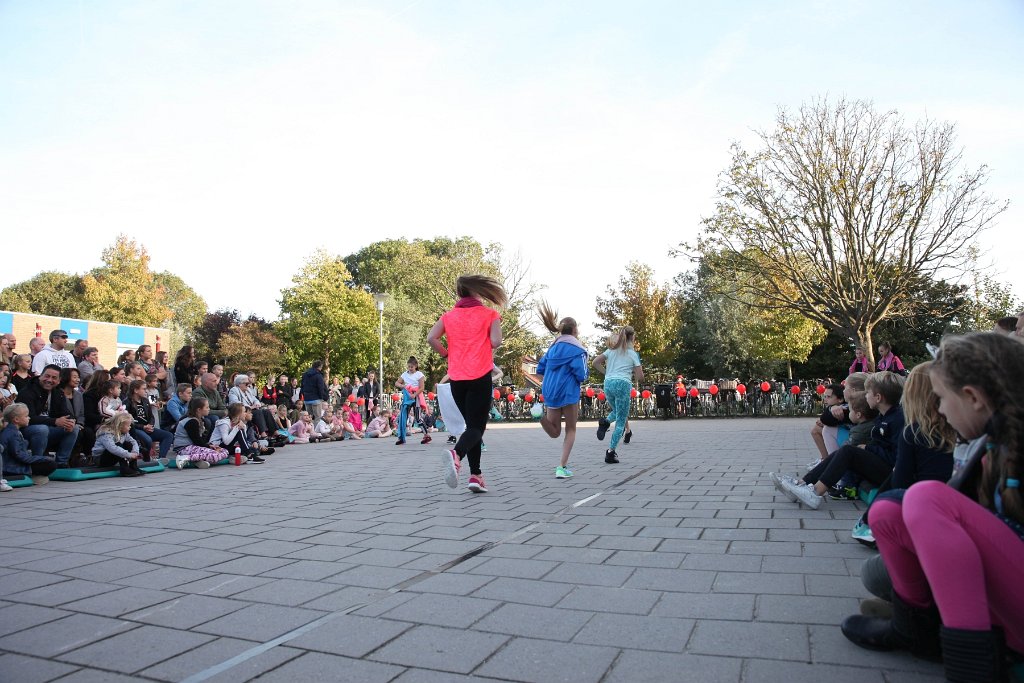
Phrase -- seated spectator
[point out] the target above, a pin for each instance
(115, 446)
(873, 462)
(35, 345)
(348, 428)
(925, 449)
(144, 357)
(284, 392)
(92, 392)
(222, 385)
(202, 367)
(324, 427)
(7, 349)
(118, 375)
(240, 393)
(353, 416)
(18, 460)
(208, 389)
(302, 429)
(192, 439)
(380, 425)
(90, 363)
(144, 429)
(282, 423)
(153, 394)
(110, 401)
(136, 371)
(75, 405)
(50, 424)
(54, 354)
(295, 414)
(825, 431)
(184, 366)
(230, 432)
(178, 405)
(268, 395)
(126, 359)
(21, 371)
(8, 392)
(78, 351)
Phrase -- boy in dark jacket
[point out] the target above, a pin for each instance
(18, 459)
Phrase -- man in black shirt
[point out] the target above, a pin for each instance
(50, 424)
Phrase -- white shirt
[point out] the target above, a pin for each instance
(413, 380)
(51, 356)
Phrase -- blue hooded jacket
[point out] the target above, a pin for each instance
(564, 368)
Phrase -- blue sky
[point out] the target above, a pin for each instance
(582, 134)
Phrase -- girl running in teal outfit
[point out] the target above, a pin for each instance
(620, 364)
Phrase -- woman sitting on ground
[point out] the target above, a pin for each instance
(75, 406)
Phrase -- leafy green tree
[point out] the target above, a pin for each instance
(187, 307)
(324, 318)
(213, 326)
(847, 208)
(649, 308)
(251, 346)
(123, 289)
(48, 293)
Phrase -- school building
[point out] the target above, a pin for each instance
(110, 338)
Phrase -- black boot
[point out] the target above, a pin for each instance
(911, 628)
(973, 656)
(610, 456)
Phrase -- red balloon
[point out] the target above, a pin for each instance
(528, 398)
(632, 393)
(497, 394)
(600, 396)
(694, 392)
(395, 397)
(352, 399)
(645, 393)
(590, 392)
(741, 388)
(430, 395)
(360, 401)
(820, 389)
(794, 390)
(680, 391)
(765, 386)
(713, 390)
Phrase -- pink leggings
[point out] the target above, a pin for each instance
(941, 544)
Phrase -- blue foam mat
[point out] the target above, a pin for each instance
(20, 480)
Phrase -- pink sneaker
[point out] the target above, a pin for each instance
(451, 464)
(476, 484)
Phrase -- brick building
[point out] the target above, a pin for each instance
(110, 338)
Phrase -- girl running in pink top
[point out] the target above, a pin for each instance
(473, 331)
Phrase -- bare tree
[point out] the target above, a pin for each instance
(849, 209)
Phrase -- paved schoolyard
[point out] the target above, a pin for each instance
(353, 562)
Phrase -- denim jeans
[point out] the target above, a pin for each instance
(42, 438)
(146, 439)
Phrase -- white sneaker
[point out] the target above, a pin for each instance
(5, 487)
(778, 480)
(812, 464)
(452, 464)
(180, 461)
(202, 464)
(804, 493)
(862, 533)
(40, 480)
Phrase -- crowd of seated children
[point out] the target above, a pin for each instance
(144, 426)
(234, 430)
(953, 552)
(192, 437)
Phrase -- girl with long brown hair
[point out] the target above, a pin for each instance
(564, 368)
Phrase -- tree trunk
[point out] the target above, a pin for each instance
(864, 339)
(789, 368)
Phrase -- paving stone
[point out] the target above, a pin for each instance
(316, 666)
(681, 580)
(588, 574)
(799, 609)
(16, 617)
(636, 632)
(767, 671)
(198, 558)
(723, 563)
(705, 606)
(545, 661)
(55, 637)
(160, 579)
(257, 665)
(144, 551)
(455, 611)
(270, 548)
(373, 577)
(120, 602)
(350, 635)
(22, 581)
(186, 611)
(250, 565)
(260, 622)
(20, 669)
(135, 649)
(289, 592)
(518, 569)
(829, 645)
(60, 562)
(439, 648)
(534, 622)
(524, 591)
(744, 639)
(223, 585)
(620, 600)
(451, 584)
(744, 582)
(806, 565)
(198, 659)
(635, 666)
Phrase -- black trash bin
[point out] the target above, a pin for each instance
(663, 396)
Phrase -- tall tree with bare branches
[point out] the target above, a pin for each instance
(848, 209)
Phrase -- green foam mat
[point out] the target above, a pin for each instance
(19, 480)
(150, 467)
(83, 473)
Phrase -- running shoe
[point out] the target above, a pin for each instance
(611, 457)
(777, 480)
(426, 439)
(400, 442)
(628, 436)
(4, 486)
(862, 534)
(602, 428)
(256, 460)
(842, 493)
(204, 465)
(804, 493)
(451, 463)
(476, 484)
(562, 472)
(483, 447)
(452, 439)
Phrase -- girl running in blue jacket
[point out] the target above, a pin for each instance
(564, 368)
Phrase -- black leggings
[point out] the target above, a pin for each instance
(473, 397)
(108, 459)
(867, 464)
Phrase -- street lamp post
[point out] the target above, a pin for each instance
(380, 300)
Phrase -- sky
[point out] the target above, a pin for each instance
(235, 138)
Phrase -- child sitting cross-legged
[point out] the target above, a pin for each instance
(380, 425)
(116, 446)
(324, 427)
(302, 429)
(873, 462)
